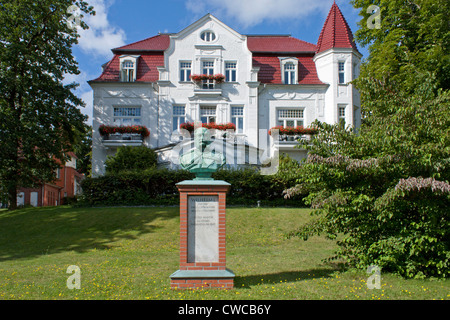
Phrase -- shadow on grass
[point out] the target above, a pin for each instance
(286, 276)
(34, 232)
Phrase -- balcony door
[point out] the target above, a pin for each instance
(208, 69)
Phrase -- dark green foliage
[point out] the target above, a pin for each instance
(158, 186)
(131, 158)
(384, 192)
(40, 118)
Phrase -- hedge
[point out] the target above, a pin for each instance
(158, 187)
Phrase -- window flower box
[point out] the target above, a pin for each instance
(189, 126)
(218, 78)
(291, 131)
(135, 132)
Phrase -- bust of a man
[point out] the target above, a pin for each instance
(200, 160)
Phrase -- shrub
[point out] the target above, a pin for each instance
(131, 158)
(158, 187)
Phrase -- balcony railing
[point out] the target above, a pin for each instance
(123, 139)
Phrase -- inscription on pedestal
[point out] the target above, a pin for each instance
(203, 229)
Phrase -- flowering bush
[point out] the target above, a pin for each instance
(293, 131)
(105, 130)
(219, 78)
(189, 126)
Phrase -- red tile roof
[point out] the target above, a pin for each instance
(335, 32)
(280, 44)
(157, 43)
(147, 68)
(270, 69)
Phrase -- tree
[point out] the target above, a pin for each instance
(83, 151)
(39, 118)
(384, 192)
(131, 159)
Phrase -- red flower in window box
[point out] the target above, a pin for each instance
(137, 129)
(290, 131)
(219, 78)
(189, 126)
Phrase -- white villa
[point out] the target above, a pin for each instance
(258, 82)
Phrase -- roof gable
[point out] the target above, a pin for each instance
(336, 32)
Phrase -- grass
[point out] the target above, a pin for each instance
(129, 253)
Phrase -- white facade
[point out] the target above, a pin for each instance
(210, 45)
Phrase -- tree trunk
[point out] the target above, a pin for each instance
(12, 197)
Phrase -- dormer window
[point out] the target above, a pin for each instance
(128, 67)
(289, 67)
(208, 36)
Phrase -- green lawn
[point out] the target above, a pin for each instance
(129, 253)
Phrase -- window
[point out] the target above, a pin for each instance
(289, 73)
(341, 70)
(179, 117)
(289, 70)
(208, 36)
(341, 114)
(230, 71)
(208, 69)
(208, 114)
(290, 117)
(185, 71)
(237, 117)
(128, 68)
(127, 116)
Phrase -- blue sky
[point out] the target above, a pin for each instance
(120, 22)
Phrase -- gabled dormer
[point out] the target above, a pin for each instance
(128, 67)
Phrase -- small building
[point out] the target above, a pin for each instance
(66, 185)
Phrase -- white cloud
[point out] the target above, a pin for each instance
(252, 12)
(101, 36)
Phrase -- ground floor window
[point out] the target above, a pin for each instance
(179, 117)
(208, 115)
(341, 114)
(237, 117)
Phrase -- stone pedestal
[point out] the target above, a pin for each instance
(202, 236)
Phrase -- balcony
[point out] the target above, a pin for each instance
(119, 136)
(208, 85)
(116, 140)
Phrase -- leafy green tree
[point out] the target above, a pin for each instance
(83, 151)
(131, 159)
(39, 118)
(384, 192)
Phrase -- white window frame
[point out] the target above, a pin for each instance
(341, 72)
(237, 117)
(286, 114)
(178, 116)
(127, 115)
(128, 73)
(230, 71)
(342, 112)
(289, 61)
(208, 113)
(185, 71)
(208, 36)
(208, 84)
